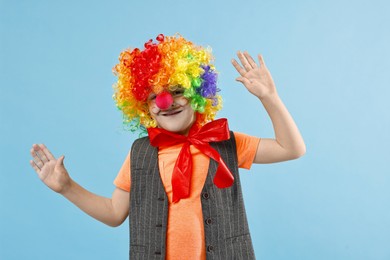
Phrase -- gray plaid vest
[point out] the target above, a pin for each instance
(225, 223)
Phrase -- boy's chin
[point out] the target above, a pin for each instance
(177, 125)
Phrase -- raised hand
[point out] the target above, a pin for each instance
(257, 79)
(50, 170)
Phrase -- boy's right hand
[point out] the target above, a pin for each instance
(50, 170)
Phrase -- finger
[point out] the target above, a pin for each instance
(41, 154)
(238, 67)
(34, 166)
(47, 153)
(34, 154)
(250, 59)
(261, 60)
(37, 160)
(244, 61)
(60, 161)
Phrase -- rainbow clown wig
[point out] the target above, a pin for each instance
(164, 66)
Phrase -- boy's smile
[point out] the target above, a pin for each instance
(170, 112)
(177, 118)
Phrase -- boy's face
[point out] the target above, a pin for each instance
(177, 118)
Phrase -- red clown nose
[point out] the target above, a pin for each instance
(164, 100)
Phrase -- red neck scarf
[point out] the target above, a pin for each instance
(215, 131)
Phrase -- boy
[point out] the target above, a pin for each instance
(181, 204)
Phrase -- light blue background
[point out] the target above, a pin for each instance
(330, 61)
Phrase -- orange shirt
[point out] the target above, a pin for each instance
(185, 231)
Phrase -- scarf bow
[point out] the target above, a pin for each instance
(215, 131)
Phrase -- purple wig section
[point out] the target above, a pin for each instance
(208, 88)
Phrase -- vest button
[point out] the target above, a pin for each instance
(157, 253)
(161, 199)
(210, 248)
(206, 195)
(208, 221)
(159, 225)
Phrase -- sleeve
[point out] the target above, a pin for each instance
(123, 179)
(246, 149)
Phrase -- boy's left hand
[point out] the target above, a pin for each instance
(257, 79)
